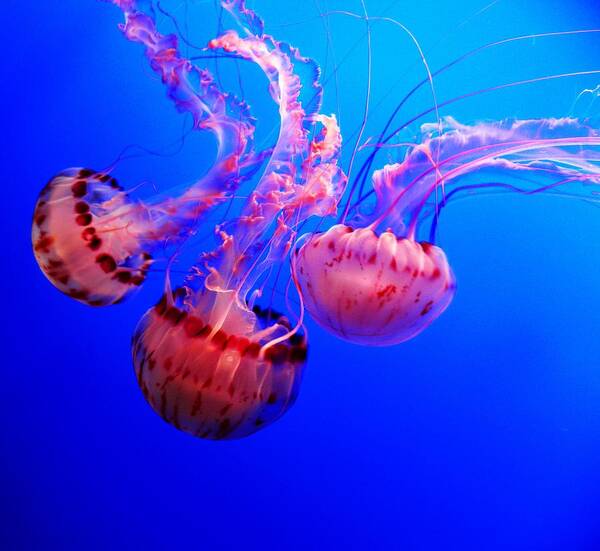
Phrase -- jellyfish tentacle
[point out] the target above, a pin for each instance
(301, 177)
(543, 147)
(193, 90)
(363, 173)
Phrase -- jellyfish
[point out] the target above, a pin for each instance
(370, 281)
(92, 239)
(208, 358)
(84, 239)
(217, 383)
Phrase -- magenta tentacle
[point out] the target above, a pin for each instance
(403, 189)
(194, 91)
(302, 177)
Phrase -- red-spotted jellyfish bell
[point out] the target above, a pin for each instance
(372, 288)
(93, 240)
(369, 280)
(217, 381)
(209, 360)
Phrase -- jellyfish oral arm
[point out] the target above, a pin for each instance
(194, 91)
(403, 189)
(302, 176)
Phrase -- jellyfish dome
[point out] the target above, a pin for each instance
(85, 237)
(371, 289)
(217, 383)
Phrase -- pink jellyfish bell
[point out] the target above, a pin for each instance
(372, 289)
(85, 236)
(217, 383)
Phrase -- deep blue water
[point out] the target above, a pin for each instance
(482, 433)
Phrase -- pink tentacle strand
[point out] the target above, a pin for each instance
(545, 149)
(302, 177)
(194, 91)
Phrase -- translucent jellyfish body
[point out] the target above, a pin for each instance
(383, 287)
(217, 383)
(372, 289)
(87, 237)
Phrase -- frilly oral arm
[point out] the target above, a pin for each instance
(194, 91)
(544, 150)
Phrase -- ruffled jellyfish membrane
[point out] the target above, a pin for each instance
(208, 359)
(90, 238)
(369, 281)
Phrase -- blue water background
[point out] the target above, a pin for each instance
(483, 433)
